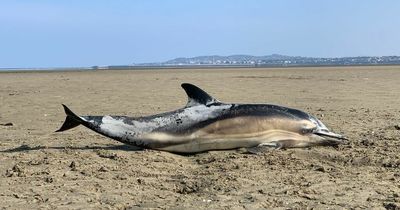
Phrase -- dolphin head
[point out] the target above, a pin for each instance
(304, 130)
(321, 135)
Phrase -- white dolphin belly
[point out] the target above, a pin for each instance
(200, 141)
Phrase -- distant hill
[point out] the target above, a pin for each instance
(276, 60)
(231, 59)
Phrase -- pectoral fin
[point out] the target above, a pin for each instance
(264, 147)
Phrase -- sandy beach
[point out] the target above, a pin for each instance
(79, 169)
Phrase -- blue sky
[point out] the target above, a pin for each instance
(84, 33)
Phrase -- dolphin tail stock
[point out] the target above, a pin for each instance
(71, 121)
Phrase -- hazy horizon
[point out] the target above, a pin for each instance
(86, 33)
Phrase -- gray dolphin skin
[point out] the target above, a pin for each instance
(207, 124)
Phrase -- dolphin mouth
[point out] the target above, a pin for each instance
(330, 135)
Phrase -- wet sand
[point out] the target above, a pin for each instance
(81, 169)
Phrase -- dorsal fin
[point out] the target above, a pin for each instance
(197, 96)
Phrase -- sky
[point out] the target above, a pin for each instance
(75, 33)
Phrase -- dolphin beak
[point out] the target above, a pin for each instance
(330, 134)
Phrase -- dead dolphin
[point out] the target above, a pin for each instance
(207, 124)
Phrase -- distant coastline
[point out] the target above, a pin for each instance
(139, 68)
(277, 60)
(235, 61)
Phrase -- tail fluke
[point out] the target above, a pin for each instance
(71, 121)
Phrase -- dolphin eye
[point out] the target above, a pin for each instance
(307, 130)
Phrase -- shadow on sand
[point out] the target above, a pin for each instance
(24, 148)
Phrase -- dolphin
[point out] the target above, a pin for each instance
(206, 124)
